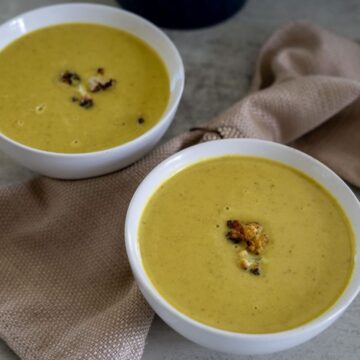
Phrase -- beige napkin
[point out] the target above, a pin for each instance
(66, 289)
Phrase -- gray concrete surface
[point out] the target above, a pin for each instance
(219, 62)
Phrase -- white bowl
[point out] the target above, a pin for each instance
(76, 166)
(213, 338)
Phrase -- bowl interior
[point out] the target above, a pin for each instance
(105, 15)
(246, 147)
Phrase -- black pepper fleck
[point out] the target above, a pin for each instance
(69, 77)
(86, 102)
(255, 271)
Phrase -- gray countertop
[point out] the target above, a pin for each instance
(219, 62)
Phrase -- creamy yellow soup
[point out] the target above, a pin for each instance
(306, 265)
(44, 107)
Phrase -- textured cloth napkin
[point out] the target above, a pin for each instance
(66, 289)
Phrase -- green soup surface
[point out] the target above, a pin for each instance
(305, 266)
(39, 108)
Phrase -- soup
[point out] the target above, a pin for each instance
(290, 262)
(76, 88)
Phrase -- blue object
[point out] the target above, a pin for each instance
(183, 14)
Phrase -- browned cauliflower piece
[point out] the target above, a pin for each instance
(252, 234)
(257, 244)
(249, 262)
(253, 241)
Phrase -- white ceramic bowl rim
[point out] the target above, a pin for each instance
(171, 105)
(345, 299)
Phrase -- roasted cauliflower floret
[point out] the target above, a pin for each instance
(257, 244)
(252, 234)
(253, 241)
(249, 262)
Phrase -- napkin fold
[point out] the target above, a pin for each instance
(66, 288)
